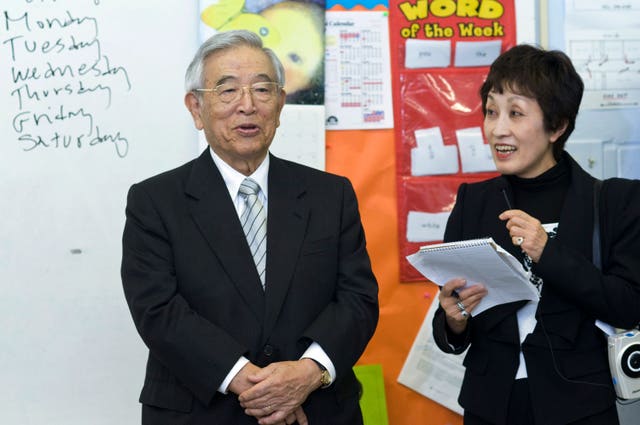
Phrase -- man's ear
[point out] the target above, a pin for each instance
(192, 103)
(281, 101)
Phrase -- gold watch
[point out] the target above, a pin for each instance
(325, 376)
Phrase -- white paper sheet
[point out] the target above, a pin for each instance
(475, 155)
(478, 261)
(427, 53)
(607, 54)
(300, 137)
(477, 53)
(358, 70)
(431, 156)
(429, 371)
(426, 227)
(629, 160)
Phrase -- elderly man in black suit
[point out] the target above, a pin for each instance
(247, 276)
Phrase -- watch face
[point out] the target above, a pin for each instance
(325, 378)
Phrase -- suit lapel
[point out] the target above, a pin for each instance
(287, 221)
(500, 320)
(574, 231)
(214, 214)
(577, 211)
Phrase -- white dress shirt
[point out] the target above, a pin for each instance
(232, 180)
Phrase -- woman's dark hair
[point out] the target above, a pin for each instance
(546, 76)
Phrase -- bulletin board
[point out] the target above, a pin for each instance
(441, 54)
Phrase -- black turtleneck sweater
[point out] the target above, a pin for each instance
(542, 197)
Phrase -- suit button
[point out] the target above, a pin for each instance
(267, 350)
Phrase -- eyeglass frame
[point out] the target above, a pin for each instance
(249, 88)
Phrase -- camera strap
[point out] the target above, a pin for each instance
(597, 255)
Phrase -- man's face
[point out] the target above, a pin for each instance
(240, 131)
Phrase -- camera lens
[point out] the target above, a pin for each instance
(634, 361)
(630, 361)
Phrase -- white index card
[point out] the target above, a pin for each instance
(432, 156)
(426, 227)
(477, 53)
(475, 155)
(427, 53)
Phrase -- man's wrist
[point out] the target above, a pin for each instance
(325, 376)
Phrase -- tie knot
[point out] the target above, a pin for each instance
(249, 187)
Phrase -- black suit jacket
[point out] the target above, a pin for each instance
(572, 380)
(198, 304)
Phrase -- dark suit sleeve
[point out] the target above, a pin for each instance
(345, 326)
(443, 337)
(183, 341)
(453, 231)
(613, 295)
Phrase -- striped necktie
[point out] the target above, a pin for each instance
(254, 224)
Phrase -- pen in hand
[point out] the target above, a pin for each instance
(506, 198)
(519, 240)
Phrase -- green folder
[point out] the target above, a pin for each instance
(373, 401)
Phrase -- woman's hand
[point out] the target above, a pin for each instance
(458, 303)
(526, 232)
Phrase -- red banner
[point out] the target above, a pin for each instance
(441, 52)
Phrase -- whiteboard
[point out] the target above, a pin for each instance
(91, 94)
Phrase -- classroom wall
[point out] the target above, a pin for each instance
(69, 353)
(402, 305)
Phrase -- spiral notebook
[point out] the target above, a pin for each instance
(477, 261)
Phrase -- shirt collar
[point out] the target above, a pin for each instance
(233, 179)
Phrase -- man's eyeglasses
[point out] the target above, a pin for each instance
(263, 91)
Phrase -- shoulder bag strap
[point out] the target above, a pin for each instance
(597, 255)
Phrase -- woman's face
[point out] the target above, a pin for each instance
(514, 128)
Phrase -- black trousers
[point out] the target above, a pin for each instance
(521, 411)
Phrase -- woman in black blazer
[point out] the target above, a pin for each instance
(543, 362)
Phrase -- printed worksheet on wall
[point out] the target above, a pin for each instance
(607, 54)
